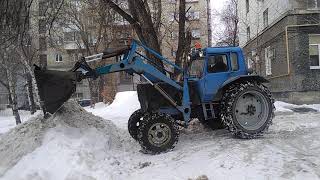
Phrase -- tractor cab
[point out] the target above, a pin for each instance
(212, 67)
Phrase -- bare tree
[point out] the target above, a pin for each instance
(11, 66)
(184, 39)
(229, 19)
(146, 22)
(89, 24)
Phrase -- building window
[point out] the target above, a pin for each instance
(247, 6)
(69, 36)
(268, 58)
(193, 15)
(314, 51)
(78, 96)
(58, 58)
(313, 4)
(173, 52)
(196, 34)
(174, 35)
(265, 18)
(91, 21)
(173, 16)
(248, 33)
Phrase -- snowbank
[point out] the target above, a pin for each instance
(124, 104)
(51, 150)
(287, 108)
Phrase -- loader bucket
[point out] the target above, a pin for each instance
(55, 87)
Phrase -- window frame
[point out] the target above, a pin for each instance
(315, 67)
(248, 34)
(269, 62)
(195, 32)
(217, 54)
(316, 4)
(237, 60)
(58, 58)
(265, 17)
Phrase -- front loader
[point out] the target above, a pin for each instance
(216, 88)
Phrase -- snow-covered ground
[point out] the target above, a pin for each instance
(8, 122)
(70, 150)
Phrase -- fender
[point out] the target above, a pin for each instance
(244, 78)
(231, 80)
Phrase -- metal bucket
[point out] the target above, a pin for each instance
(55, 87)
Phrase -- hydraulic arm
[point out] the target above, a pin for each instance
(133, 61)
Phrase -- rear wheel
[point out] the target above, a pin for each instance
(247, 109)
(134, 122)
(158, 133)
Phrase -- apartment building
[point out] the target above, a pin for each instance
(281, 41)
(197, 24)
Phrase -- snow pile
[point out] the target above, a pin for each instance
(19, 141)
(124, 104)
(71, 139)
(287, 108)
(75, 145)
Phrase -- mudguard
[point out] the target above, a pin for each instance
(240, 78)
(245, 78)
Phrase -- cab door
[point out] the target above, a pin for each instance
(217, 71)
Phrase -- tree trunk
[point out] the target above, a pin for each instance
(13, 97)
(141, 21)
(34, 82)
(182, 36)
(32, 105)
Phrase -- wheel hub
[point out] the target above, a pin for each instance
(251, 110)
(159, 134)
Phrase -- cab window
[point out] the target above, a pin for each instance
(234, 62)
(196, 67)
(217, 63)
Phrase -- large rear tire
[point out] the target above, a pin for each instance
(247, 109)
(134, 122)
(158, 133)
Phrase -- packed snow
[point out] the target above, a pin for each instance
(75, 144)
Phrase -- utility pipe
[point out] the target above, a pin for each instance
(287, 48)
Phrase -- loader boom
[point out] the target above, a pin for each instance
(135, 62)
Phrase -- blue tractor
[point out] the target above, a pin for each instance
(216, 87)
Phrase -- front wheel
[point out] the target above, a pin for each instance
(158, 133)
(134, 122)
(247, 109)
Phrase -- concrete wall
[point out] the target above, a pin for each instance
(254, 18)
(303, 84)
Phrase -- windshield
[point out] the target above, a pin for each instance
(196, 67)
